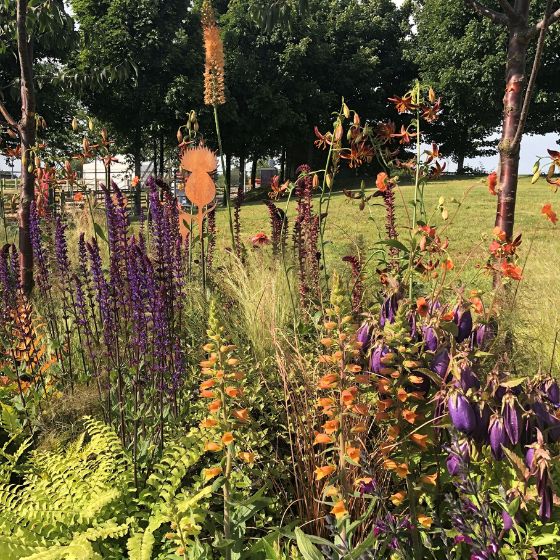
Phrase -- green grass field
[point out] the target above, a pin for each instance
(469, 230)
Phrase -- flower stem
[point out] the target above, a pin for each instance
(227, 186)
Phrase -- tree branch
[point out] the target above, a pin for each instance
(509, 11)
(482, 10)
(550, 20)
(532, 79)
(6, 114)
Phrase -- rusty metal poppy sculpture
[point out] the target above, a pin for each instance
(201, 163)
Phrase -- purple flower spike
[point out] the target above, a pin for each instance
(375, 364)
(430, 338)
(498, 437)
(364, 336)
(463, 319)
(461, 413)
(512, 420)
(440, 363)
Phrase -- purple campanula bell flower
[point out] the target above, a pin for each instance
(483, 414)
(389, 310)
(483, 334)
(430, 338)
(552, 391)
(363, 335)
(461, 412)
(529, 458)
(548, 423)
(498, 436)
(545, 493)
(464, 322)
(467, 378)
(440, 363)
(512, 418)
(453, 464)
(413, 325)
(377, 353)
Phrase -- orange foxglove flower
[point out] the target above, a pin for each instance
(398, 498)
(227, 438)
(241, 414)
(424, 520)
(214, 406)
(365, 379)
(381, 181)
(328, 381)
(409, 415)
(322, 472)
(429, 479)
(353, 453)
(246, 456)
(210, 362)
(416, 379)
(402, 395)
(321, 439)
(330, 491)
(348, 395)
(402, 470)
(422, 306)
(209, 423)
(339, 510)
(393, 432)
(499, 234)
(232, 392)
(420, 440)
(212, 472)
(328, 342)
(361, 409)
(511, 271)
(325, 402)
(207, 394)
(232, 362)
(330, 325)
(212, 446)
(330, 426)
(208, 384)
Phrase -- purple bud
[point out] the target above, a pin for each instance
(413, 325)
(484, 334)
(363, 335)
(482, 423)
(545, 493)
(530, 457)
(468, 379)
(552, 391)
(389, 310)
(512, 420)
(440, 363)
(430, 338)
(463, 538)
(377, 353)
(453, 464)
(498, 436)
(508, 521)
(461, 413)
(463, 319)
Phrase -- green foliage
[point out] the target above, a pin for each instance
(71, 503)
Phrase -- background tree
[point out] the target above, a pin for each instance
(32, 30)
(526, 21)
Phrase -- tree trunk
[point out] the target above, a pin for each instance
(460, 164)
(137, 173)
(27, 132)
(254, 172)
(509, 154)
(161, 155)
(283, 165)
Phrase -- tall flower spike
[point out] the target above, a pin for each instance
(214, 63)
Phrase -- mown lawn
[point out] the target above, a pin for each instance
(469, 229)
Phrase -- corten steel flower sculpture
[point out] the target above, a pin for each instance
(200, 188)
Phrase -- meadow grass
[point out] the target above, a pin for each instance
(471, 210)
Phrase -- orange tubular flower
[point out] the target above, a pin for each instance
(403, 104)
(339, 510)
(214, 406)
(246, 456)
(209, 383)
(322, 439)
(209, 423)
(330, 426)
(206, 394)
(212, 446)
(422, 306)
(492, 183)
(232, 392)
(328, 381)
(353, 453)
(421, 440)
(227, 438)
(323, 472)
(212, 472)
(549, 213)
(241, 414)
